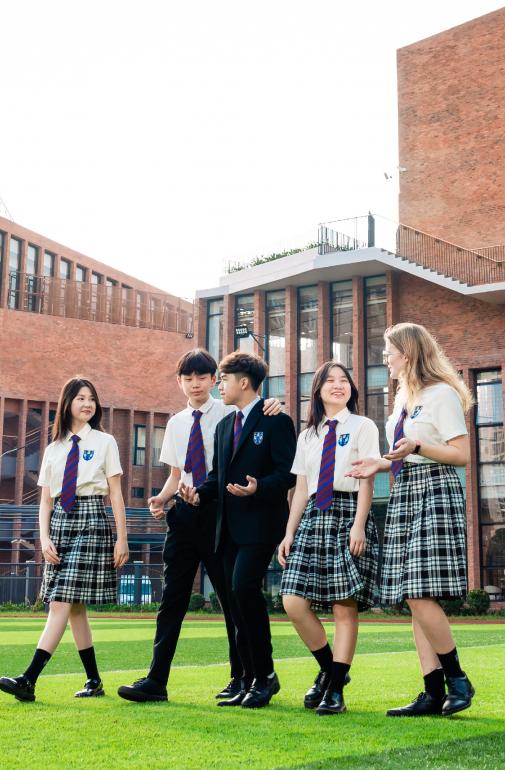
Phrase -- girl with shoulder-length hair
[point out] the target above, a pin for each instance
(424, 554)
(78, 469)
(330, 551)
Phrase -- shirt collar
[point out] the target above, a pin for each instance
(83, 433)
(204, 408)
(246, 410)
(341, 416)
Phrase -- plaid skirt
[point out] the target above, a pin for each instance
(424, 551)
(320, 566)
(85, 544)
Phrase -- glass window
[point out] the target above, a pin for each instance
(139, 445)
(244, 316)
(157, 442)
(80, 273)
(376, 319)
(48, 264)
(14, 277)
(276, 333)
(111, 282)
(138, 492)
(32, 266)
(32, 260)
(341, 322)
(304, 389)
(65, 269)
(307, 329)
(489, 398)
(215, 310)
(96, 278)
(2, 243)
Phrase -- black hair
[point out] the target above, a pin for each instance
(196, 361)
(246, 365)
(63, 419)
(316, 412)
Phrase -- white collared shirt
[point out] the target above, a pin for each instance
(357, 438)
(246, 411)
(98, 461)
(437, 417)
(175, 441)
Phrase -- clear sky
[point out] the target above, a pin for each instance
(165, 138)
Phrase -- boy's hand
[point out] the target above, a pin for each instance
(189, 494)
(239, 491)
(156, 506)
(272, 406)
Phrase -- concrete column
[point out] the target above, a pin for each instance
(128, 470)
(20, 454)
(323, 323)
(148, 467)
(292, 352)
(200, 328)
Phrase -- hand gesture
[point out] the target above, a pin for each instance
(240, 491)
(363, 469)
(357, 540)
(272, 406)
(402, 448)
(284, 550)
(49, 551)
(121, 553)
(156, 506)
(189, 494)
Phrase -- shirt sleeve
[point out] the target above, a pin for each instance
(45, 471)
(368, 440)
(448, 415)
(168, 454)
(112, 461)
(299, 465)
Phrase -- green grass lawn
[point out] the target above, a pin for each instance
(189, 732)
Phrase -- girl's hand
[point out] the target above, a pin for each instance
(121, 553)
(284, 550)
(363, 469)
(403, 447)
(49, 552)
(357, 540)
(272, 406)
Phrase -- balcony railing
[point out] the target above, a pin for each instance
(98, 302)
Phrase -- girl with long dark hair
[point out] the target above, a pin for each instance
(78, 469)
(330, 551)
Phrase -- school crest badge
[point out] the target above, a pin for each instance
(343, 439)
(258, 437)
(416, 411)
(88, 454)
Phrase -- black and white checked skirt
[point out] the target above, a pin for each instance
(85, 544)
(320, 566)
(424, 552)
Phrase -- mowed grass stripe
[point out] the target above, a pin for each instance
(190, 733)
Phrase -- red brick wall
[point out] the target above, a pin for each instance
(131, 367)
(451, 102)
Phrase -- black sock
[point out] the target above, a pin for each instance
(434, 684)
(450, 663)
(324, 657)
(89, 663)
(39, 660)
(337, 678)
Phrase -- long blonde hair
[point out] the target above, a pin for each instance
(427, 364)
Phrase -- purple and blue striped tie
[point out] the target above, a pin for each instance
(195, 456)
(67, 498)
(397, 465)
(324, 494)
(237, 430)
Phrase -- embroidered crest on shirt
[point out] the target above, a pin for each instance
(88, 454)
(258, 437)
(343, 439)
(416, 411)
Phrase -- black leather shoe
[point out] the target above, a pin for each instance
(231, 689)
(332, 703)
(459, 696)
(143, 690)
(314, 696)
(93, 688)
(422, 706)
(18, 686)
(261, 692)
(236, 700)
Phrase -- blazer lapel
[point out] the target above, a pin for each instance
(250, 423)
(227, 448)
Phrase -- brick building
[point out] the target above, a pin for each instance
(61, 314)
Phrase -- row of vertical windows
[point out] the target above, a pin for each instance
(139, 445)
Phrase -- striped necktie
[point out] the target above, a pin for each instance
(237, 430)
(397, 465)
(195, 455)
(324, 494)
(69, 485)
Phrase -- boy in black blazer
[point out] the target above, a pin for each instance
(250, 478)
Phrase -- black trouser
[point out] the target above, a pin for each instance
(245, 567)
(190, 540)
